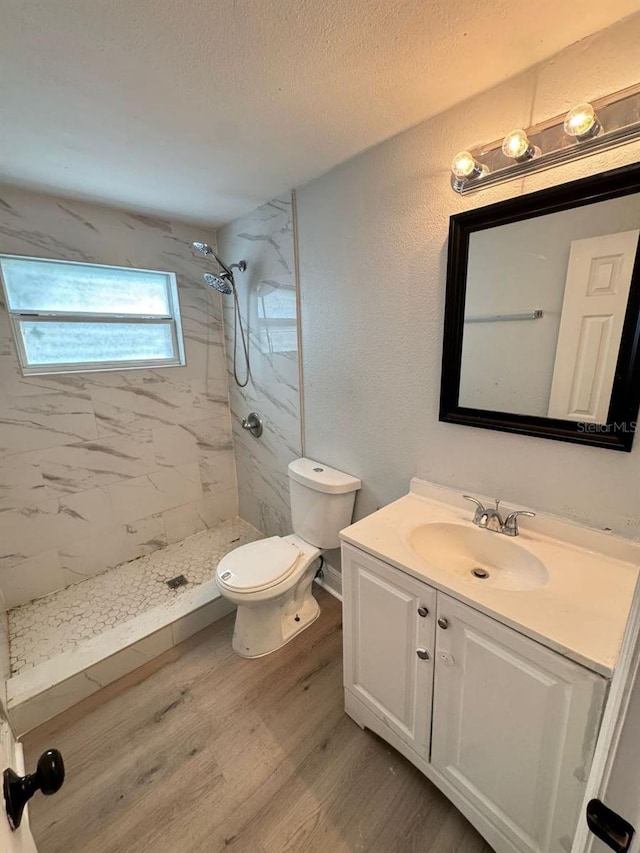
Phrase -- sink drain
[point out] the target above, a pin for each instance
(480, 573)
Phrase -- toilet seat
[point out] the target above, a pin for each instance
(258, 565)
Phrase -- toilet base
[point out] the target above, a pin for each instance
(265, 626)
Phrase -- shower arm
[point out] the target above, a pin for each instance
(226, 273)
(241, 265)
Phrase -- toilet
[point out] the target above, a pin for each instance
(270, 580)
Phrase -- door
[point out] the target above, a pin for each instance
(20, 841)
(622, 785)
(388, 644)
(615, 775)
(514, 727)
(593, 310)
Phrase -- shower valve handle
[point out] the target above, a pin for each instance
(253, 424)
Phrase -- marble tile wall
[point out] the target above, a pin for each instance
(100, 468)
(267, 295)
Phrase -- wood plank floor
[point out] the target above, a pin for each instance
(211, 752)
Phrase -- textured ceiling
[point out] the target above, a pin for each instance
(202, 109)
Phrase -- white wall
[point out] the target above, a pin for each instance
(373, 241)
(5, 657)
(99, 468)
(264, 239)
(517, 268)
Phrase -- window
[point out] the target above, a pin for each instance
(69, 317)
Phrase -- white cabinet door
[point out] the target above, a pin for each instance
(514, 727)
(388, 644)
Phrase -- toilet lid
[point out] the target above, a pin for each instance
(258, 565)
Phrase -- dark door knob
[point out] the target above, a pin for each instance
(18, 790)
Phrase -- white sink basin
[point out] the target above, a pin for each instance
(481, 556)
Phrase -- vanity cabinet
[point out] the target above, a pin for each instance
(513, 724)
(389, 634)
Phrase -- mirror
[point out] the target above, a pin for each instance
(542, 313)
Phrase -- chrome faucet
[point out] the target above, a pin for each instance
(490, 519)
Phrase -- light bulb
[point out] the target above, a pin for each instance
(465, 165)
(581, 122)
(516, 145)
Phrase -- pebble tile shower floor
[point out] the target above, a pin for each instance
(57, 622)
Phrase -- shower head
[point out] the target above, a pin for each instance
(220, 283)
(224, 282)
(203, 248)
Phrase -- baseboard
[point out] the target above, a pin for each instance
(331, 580)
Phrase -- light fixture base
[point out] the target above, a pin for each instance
(594, 130)
(531, 152)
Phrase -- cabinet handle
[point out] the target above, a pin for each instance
(423, 611)
(443, 623)
(423, 654)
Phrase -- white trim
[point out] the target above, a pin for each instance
(296, 274)
(11, 755)
(612, 721)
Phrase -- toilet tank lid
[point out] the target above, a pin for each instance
(322, 478)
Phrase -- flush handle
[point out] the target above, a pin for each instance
(18, 790)
(423, 654)
(443, 623)
(423, 611)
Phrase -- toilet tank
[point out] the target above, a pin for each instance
(322, 501)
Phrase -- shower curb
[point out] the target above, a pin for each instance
(40, 693)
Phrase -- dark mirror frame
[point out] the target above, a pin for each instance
(618, 433)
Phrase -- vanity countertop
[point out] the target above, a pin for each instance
(582, 609)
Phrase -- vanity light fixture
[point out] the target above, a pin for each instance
(581, 122)
(586, 129)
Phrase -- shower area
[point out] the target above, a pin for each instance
(121, 490)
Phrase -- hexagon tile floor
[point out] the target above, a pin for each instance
(57, 622)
